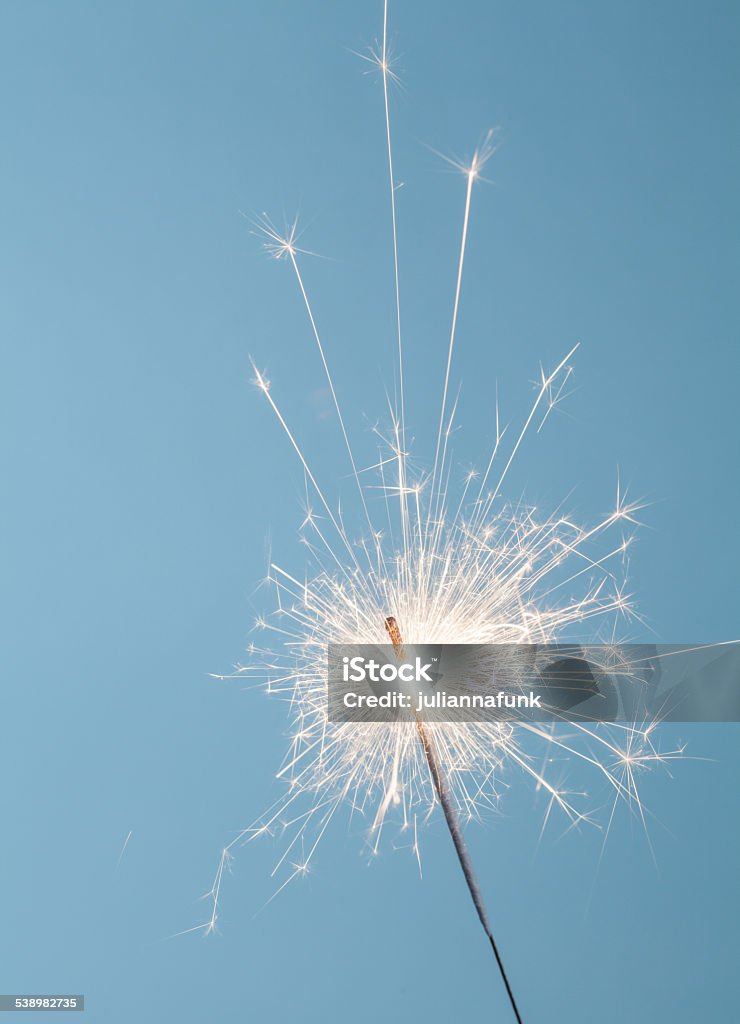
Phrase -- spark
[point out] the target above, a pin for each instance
(123, 848)
(491, 572)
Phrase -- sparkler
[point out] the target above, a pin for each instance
(455, 567)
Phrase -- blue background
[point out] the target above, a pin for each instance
(143, 477)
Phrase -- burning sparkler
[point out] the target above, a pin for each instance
(451, 569)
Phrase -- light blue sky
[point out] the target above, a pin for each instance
(144, 478)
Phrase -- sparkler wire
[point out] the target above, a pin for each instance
(448, 809)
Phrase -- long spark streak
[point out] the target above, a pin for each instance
(314, 328)
(453, 328)
(385, 68)
(264, 386)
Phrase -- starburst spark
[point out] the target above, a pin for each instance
(450, 565)
(489, 573)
